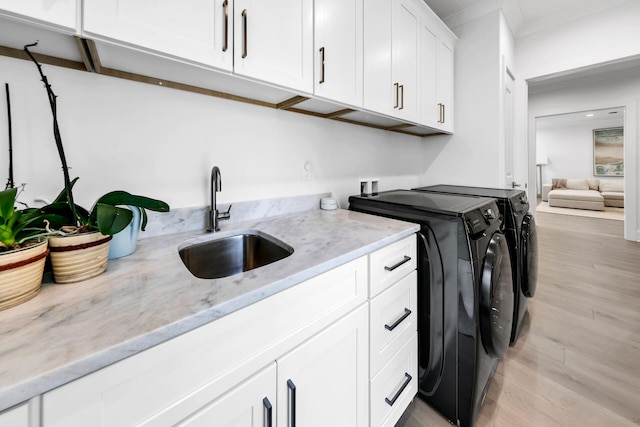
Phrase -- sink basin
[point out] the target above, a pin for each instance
(233, 254)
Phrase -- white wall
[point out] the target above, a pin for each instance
(472, 154)
(602, 37)
(605, 37)
(163, 143)
(569, 147)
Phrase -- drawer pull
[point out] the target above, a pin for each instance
(225, 8)
(268, 412)
(244, 33)
(405, 260)
(397, 395)
(292, 403)
(406, 314)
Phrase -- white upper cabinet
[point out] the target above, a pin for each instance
(436, 73)
(405, 27)
(445, 83)
(338, 50)
(58, 13)
(408, 63)
(378, 93)
(391, 58)
(200, 31)
(274, 42)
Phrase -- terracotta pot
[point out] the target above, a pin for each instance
(21, 274)
(78, 257)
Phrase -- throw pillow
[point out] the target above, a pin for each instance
(593, 184)
(612, 186)
(558, 183)
(577, 184)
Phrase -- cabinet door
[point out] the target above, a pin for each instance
(404, 58)
(377, 88)
(323, 382)
(274, 42)
(429, 109)
(250, 404)
(338, 50)
(445, 84)
(60, 13)
(15, 417)
(197, 30)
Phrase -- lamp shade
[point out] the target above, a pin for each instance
(541, 160)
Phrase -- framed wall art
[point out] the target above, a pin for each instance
(608, 152)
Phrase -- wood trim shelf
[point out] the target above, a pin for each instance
(91, 63)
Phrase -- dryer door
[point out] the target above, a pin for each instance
(430, 312)
(529, 255)
(496, 297)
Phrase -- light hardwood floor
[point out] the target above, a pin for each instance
(577, 362)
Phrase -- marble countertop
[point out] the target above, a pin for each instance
(149, 297)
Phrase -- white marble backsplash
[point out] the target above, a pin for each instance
(194, 219)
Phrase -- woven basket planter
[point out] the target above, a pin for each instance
(78, 257)
(21, 274)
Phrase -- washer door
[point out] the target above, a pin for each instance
(430, 312)
(529, 255)
(496, 297)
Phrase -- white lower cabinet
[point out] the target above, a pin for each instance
(250, 404)
(184, 379)
(393, 328)
(395, 386)
(324, 381)
(328, 371)
(322, 353)
(15, 417)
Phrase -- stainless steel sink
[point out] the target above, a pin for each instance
(229, 255)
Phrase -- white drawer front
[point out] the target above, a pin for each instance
(401, 371)
(394, 320)
(391, 263)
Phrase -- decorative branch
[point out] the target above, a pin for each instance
(10, 183)
(56, 133)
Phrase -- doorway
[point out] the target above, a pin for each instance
(579, 93)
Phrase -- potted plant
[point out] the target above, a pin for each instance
(79, 243)
(80, 251)
(23, 251)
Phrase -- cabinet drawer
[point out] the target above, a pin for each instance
(393, 320)
(391, 263)
(393, 389)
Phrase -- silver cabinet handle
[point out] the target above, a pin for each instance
(322, 65)
(268, 412)
(395, 324)
(225, 8)
(291, 389)
(244, 33)
(441, 113)
(405, 260)
(401, 98)
(399, 392)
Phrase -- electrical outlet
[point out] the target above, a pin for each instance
(306, 171)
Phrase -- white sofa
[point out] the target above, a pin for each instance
(592, 194)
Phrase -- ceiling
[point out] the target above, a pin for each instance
(524, 16)
(610, 116)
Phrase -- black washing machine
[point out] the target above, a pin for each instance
(465, 295)
(519, 227)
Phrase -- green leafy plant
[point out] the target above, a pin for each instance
(106, 216)
(18, 226)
